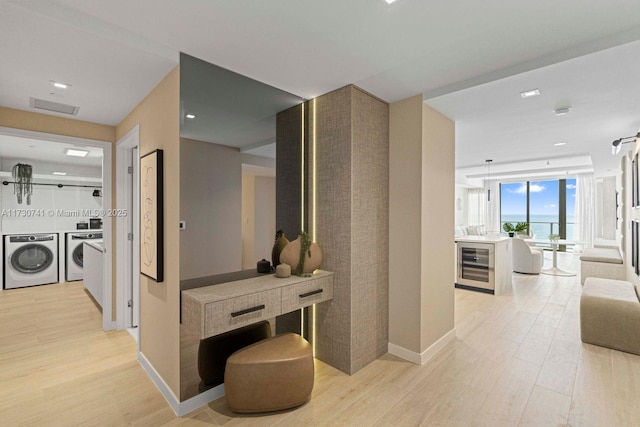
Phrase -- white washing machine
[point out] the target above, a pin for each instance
(75, 253)
(31, 259)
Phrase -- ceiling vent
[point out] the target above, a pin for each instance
(56, 107)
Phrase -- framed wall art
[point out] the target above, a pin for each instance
(152, 216)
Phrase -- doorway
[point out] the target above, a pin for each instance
(127, 232)
(61, 215)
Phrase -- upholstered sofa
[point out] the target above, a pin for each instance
(603, 262)
(471, 230)
(610, 314)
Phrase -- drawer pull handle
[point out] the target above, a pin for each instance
(308, 294)
(247, 310)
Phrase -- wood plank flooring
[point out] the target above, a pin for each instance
(517, 360)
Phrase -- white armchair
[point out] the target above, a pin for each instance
(525, 259)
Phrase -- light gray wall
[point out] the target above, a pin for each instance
(609, 208)
(211, 205)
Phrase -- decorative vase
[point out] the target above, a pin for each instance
(279, 244)
(283, 270)
(291, 255)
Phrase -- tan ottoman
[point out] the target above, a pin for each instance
(270, 375)
(610, 314)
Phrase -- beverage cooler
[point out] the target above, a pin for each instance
(476, 266)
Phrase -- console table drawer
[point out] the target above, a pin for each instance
(223, 316)
(307, 293)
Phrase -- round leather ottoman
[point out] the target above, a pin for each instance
(270, 375)
(214, 351)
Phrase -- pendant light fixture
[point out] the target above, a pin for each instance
(488, 162)
(22, 185)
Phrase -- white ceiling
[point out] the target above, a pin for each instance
(28, 149)
(494, 122)
(113, 53)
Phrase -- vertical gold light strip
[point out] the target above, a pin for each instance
(313, 173)
(302, 203)
(313, 207)
(302, 174)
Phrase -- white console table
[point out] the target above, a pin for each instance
(215, 309)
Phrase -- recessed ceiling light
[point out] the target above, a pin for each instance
(530, 93)
(390, 1)
(60, 173)
(561, 111)
(558, 144)
(75, 152)
(59, 85)
(190, 116)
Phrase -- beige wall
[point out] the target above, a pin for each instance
(248, 220)
(421, 224)
(405, 223)
(37, 122)
(264, 217)
(158, 116)
(438, 219)
(258, 218)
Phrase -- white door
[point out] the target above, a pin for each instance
(134, 246)
(128, 249)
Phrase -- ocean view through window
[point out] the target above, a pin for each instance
(548, 206)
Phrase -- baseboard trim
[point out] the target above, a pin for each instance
(422, 358)
(200, 400)
(179, 408)
(109, 326)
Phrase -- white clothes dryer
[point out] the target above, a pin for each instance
(75, 253)
(30, 259)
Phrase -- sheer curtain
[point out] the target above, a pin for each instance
(477, 199)
(492, 222)
(585, 220)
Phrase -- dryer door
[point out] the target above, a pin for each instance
(78, 255)
(32, 258)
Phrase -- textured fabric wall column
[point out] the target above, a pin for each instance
(350, 131)
(352, 226)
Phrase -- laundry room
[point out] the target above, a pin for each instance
(50, 205)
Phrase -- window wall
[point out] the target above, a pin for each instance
(548, 206)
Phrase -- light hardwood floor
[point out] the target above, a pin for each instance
(517, 360)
